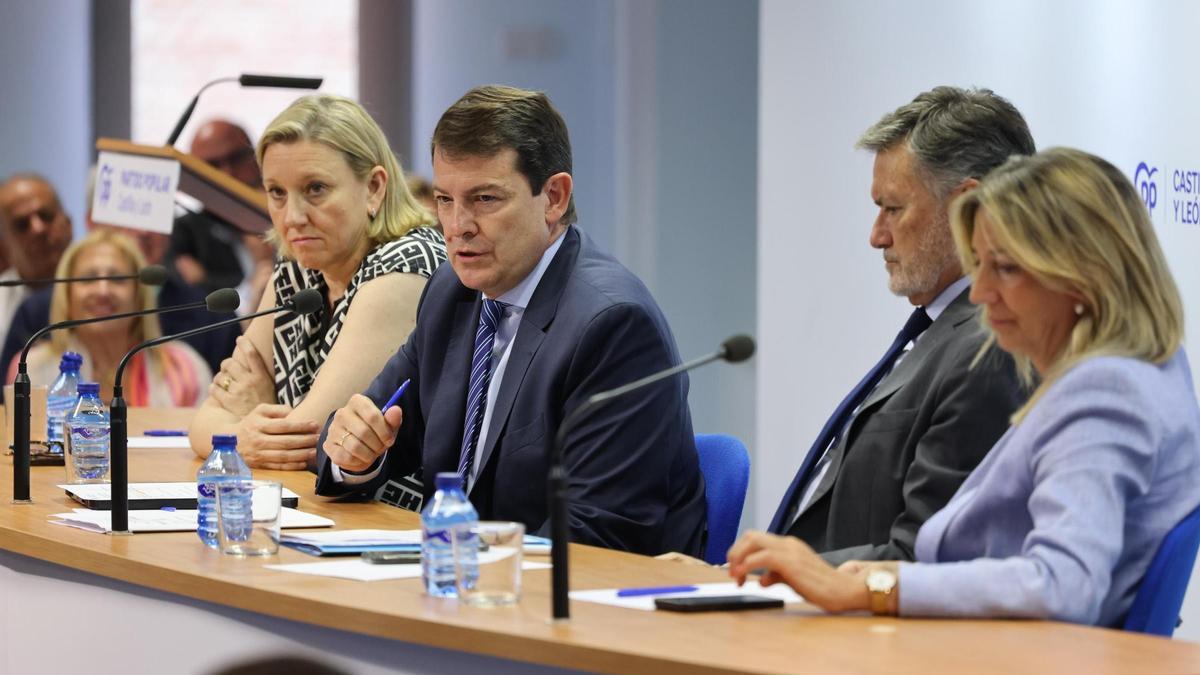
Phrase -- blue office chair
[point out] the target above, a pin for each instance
(726, 468)
(1156, 607)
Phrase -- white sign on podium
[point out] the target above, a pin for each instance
(137, 192)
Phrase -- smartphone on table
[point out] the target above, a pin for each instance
(391, 557)
(717, 603)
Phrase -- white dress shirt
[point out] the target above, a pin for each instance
(517, 300)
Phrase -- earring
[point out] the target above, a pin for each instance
(1079, 309)
(371, 212)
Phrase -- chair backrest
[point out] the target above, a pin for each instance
(1156, 606)
(726, 468)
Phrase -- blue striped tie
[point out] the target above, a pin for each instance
(481, 374)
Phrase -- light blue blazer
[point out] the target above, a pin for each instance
(1061, 519)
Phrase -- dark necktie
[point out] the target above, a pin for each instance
(481, 374)
(917, 323)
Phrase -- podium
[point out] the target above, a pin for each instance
(223, 196)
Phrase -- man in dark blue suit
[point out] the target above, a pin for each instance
(527, 322)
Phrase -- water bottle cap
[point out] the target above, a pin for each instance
(448, 480)
(70, 361)
(88, 388)
(224, 439)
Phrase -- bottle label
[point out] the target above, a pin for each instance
(90, 433)
(206, 489)
(442, 535)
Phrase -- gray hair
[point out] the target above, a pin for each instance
(954, 133)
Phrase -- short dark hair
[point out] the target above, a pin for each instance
(954, 133)
(488, 119)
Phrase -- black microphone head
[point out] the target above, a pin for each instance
(738, 348)
(306, 301)
(281, 81)
(222, 301)
(153, 275)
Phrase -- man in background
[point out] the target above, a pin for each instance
(35, 231)
(206, 251)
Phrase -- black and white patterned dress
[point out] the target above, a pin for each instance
(302, 343)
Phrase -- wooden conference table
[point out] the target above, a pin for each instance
(164, 603)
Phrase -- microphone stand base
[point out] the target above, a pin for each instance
(121, 533)
(21, 501)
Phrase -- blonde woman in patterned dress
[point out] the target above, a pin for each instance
(346, 224)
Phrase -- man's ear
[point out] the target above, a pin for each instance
(558, 196)
(966, 186)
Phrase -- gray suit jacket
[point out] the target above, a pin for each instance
(914, 440)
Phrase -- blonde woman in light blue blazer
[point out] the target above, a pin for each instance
(1062, 518)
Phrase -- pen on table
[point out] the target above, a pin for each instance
(396, 396)
(164, 432)
(654, 590)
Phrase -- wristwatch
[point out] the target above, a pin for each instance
(880, 584)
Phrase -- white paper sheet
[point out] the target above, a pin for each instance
(533, 545)
(356, 537)
(159, 442)
(157, 520)
(608, 596)
(181, 490)
(357, 570)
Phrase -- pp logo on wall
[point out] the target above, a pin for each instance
(1147, 187)
(1183, 188)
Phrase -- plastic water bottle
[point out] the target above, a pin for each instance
(223, 465)
(448, 516)
(61, 398)
(87, 429)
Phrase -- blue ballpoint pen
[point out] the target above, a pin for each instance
(164, 432)
(654, 590)
(396, 396)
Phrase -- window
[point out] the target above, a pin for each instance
(179, 45)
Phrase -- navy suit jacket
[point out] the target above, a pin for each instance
(633, 475)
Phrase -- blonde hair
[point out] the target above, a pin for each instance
(145, 328)
(1076, 224)
(343, 125)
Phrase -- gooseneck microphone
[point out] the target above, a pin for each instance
(222, 301)
(305, 302)
(247, 80)
(153, 275)
(734, 350)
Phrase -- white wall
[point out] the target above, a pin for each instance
(1114, 78)
(562, 48)
(45, 94)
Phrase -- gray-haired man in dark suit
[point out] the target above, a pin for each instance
(901, 443)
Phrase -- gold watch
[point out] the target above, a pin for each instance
(880, 584)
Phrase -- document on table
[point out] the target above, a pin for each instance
(159, 442)
(357, 570)
(161, 520)
(353, 542)
(180, 495)
(608, 596)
